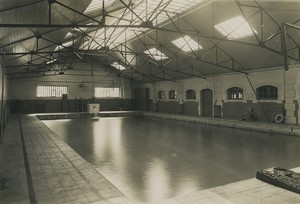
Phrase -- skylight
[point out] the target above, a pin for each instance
(145, 11)
(235, 28)
(118, 66)
(187, 44)
(155, 10)
(156, 54)
(97, 5)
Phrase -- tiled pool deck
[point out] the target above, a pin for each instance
(52, 172)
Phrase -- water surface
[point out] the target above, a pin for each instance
(154, 159)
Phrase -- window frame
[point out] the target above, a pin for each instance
(172, 95)
(49, 87)
(191, 91)
(161, 95)
(268, 93)
(106, 97)
(235, 90)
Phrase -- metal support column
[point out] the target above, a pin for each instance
(2, 99)
(283, 46)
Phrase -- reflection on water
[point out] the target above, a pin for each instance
(151, 160)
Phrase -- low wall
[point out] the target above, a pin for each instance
(57, 106)
(265, 111)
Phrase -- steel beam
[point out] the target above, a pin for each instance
(21, 6)
(173, 52)
(132, 11)
(36, 52)
(80, 13)
(283, 46)
(260, 41)
(292, 26)
(159, 65)
(215, 45)
(158, 6)
(2, 99)
(61, 26)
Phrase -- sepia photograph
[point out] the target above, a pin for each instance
(150, 101)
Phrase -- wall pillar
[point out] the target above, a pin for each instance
(291, 94)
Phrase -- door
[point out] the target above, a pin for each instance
(141, 99)
(207, 102)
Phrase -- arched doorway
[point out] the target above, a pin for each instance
(207, 102)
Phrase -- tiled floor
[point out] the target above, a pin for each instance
(251, 191)
(60, 175)
(12, 166)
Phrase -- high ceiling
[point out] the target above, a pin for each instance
(137, 38)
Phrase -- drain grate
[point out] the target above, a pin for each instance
(3, 183)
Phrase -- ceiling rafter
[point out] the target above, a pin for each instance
(181, 34)
(128, 64)
(21, 6)
(132, 11)
(176, 57)
(118, 22)
(261, 41)
(75, 11)
(156, 63)
(284, 46)
(113, 45)
(215, 46)
(158, 6)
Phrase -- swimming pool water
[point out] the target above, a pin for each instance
(155, 159)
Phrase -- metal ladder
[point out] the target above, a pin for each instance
(79, 105)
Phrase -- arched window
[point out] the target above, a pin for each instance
(172, 94)
(190, 94)
(235, 93)
(267, 92)
(161, 95)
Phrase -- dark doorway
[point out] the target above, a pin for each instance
(207, 102)
(141, 97)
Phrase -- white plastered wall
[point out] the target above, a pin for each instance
(220, 83)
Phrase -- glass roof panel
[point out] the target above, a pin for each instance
(97, 5)
(235, 28)
(187, 44)
(155, 54)
(144, 11)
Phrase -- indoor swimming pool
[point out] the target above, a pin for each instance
(154, 159)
